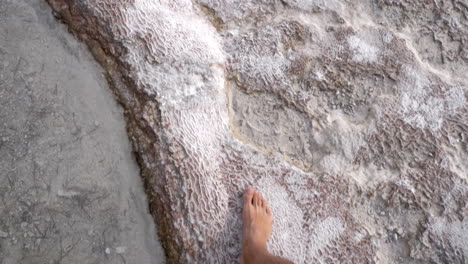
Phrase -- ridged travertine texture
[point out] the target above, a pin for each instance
(349, 116)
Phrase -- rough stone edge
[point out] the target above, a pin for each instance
(124, 89)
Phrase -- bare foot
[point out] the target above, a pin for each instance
(257, 222)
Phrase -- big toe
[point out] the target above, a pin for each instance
(248, 195)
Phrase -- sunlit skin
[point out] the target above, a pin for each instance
(257, 222)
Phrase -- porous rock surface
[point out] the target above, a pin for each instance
(349, 116)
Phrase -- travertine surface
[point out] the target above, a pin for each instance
(349, 116)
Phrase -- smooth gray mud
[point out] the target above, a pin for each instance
(70, 190)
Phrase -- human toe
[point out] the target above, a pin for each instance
(248, 195)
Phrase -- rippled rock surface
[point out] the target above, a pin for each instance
(349, 116)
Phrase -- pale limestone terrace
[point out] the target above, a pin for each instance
(349, 116)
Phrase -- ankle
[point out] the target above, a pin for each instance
(254, 255)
